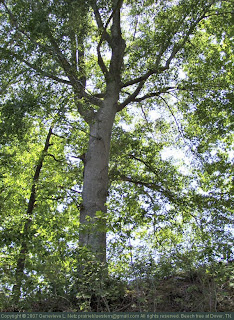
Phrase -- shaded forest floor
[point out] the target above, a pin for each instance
(191, 291)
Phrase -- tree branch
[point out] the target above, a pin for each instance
(104, 34)
(31, 204)
(174, 117)
(166, 193)
(100, 60)
(144, 77)
(54, 49)
(176, 48)
(132, 97)
(144, 162)
(45, 73)
(78, 86)
(34, 67)
(154, 94)
(52, 156)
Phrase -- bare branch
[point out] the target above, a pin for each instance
(104, 34)
(57, 135)
(144, 114)
(145, 163)
(174, 117)
(45, 73)
(165, 192)
(51, 155)
(154, 94)
(144, 77)
(36, 68)
(100, 60)
(141, 183)
(132, 97)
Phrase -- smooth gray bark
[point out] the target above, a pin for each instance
(95, 186)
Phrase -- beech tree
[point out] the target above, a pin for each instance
(98, 63)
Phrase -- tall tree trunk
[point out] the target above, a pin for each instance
(95, 186)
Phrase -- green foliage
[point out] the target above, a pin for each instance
(169, 215)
